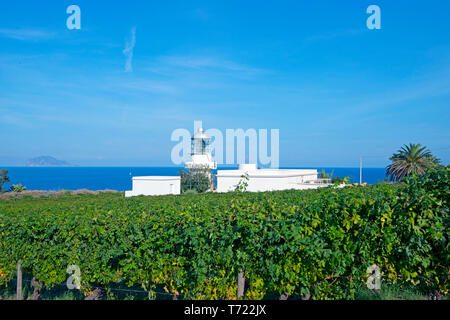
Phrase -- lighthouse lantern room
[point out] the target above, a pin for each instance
(201, 152)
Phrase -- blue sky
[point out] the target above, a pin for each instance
(335, 89)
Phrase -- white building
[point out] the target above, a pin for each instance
(154, 185)
(267, 179)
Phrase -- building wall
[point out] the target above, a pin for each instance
(225, 184)
(152, 186)
(267, 180)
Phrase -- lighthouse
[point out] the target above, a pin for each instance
(201, 157)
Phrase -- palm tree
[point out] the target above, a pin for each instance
(410, 158)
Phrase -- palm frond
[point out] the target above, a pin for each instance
(408, 159)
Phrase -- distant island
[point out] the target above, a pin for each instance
(47, 161)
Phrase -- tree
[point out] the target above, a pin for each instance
(3, 179)
(410, 158)
(196, 179)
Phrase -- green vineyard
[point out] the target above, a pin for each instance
(316, 243)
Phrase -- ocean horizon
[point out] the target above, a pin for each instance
(120, 178)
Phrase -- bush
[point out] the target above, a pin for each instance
(17, 188)
(296, 242)
(190, 191)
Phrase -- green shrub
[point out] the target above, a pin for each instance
(17, 188)
(317, 241)
(190, 191)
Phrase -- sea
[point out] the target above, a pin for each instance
(119, 178)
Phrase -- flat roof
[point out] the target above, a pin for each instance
(157, 178)
(267, 173)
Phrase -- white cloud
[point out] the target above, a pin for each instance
(26, 34)
(128, 51)
(202, 67)
(148, 86)
(202, 62)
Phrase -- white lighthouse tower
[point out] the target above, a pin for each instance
(201, 157)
